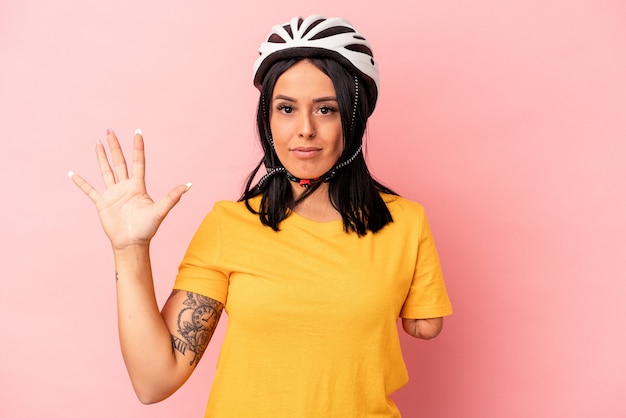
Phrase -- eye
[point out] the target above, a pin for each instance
(285, 108)
(327, 110)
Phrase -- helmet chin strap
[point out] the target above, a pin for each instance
(306, 183)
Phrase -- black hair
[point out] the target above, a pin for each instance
(353, 191)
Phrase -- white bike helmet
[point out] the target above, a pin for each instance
(320, 36)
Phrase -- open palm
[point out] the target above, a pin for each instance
(127, 213)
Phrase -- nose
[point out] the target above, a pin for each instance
(307, 127)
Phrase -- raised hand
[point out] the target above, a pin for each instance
(127, 213)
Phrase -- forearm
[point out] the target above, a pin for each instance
(144, 337)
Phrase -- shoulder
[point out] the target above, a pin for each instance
(409, 217)
(226, 218)
(234, 208)
(226, 211)
(402, 207)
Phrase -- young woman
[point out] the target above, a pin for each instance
(314, 264)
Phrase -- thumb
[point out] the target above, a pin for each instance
(170, 200)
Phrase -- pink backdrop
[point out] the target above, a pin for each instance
(506, 119)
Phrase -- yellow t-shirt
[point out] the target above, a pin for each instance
(312, 310)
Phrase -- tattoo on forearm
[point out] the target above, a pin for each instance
(196, 324)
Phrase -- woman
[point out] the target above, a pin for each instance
(314, 264)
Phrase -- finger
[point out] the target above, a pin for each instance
(105, 168)
(84, 186)
(139, 156)
(117, 156)
(170, 200)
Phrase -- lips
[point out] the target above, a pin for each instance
(306, 152)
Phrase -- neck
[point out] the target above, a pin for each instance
(321, 192)
(317, 205)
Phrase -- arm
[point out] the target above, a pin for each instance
(160, 350)
(423, 328)
(130, 219)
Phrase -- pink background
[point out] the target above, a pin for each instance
(506, 119)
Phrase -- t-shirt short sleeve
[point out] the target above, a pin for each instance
(200, 271)
(427, 296)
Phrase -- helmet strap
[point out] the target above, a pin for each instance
(308, 182)
(356, 102)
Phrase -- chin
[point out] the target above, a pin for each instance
(309, 174)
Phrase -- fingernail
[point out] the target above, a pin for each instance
(98, 142)
(70, 174)
(188, 186)
(138, 132)
(110, 131)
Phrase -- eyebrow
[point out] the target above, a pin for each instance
(316, 100)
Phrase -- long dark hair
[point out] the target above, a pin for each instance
(352, 190)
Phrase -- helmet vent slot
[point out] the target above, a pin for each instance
(276, 39)
(336, 30)
(360, 48)
(312, 25)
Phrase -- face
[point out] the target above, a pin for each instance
(305, 121)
